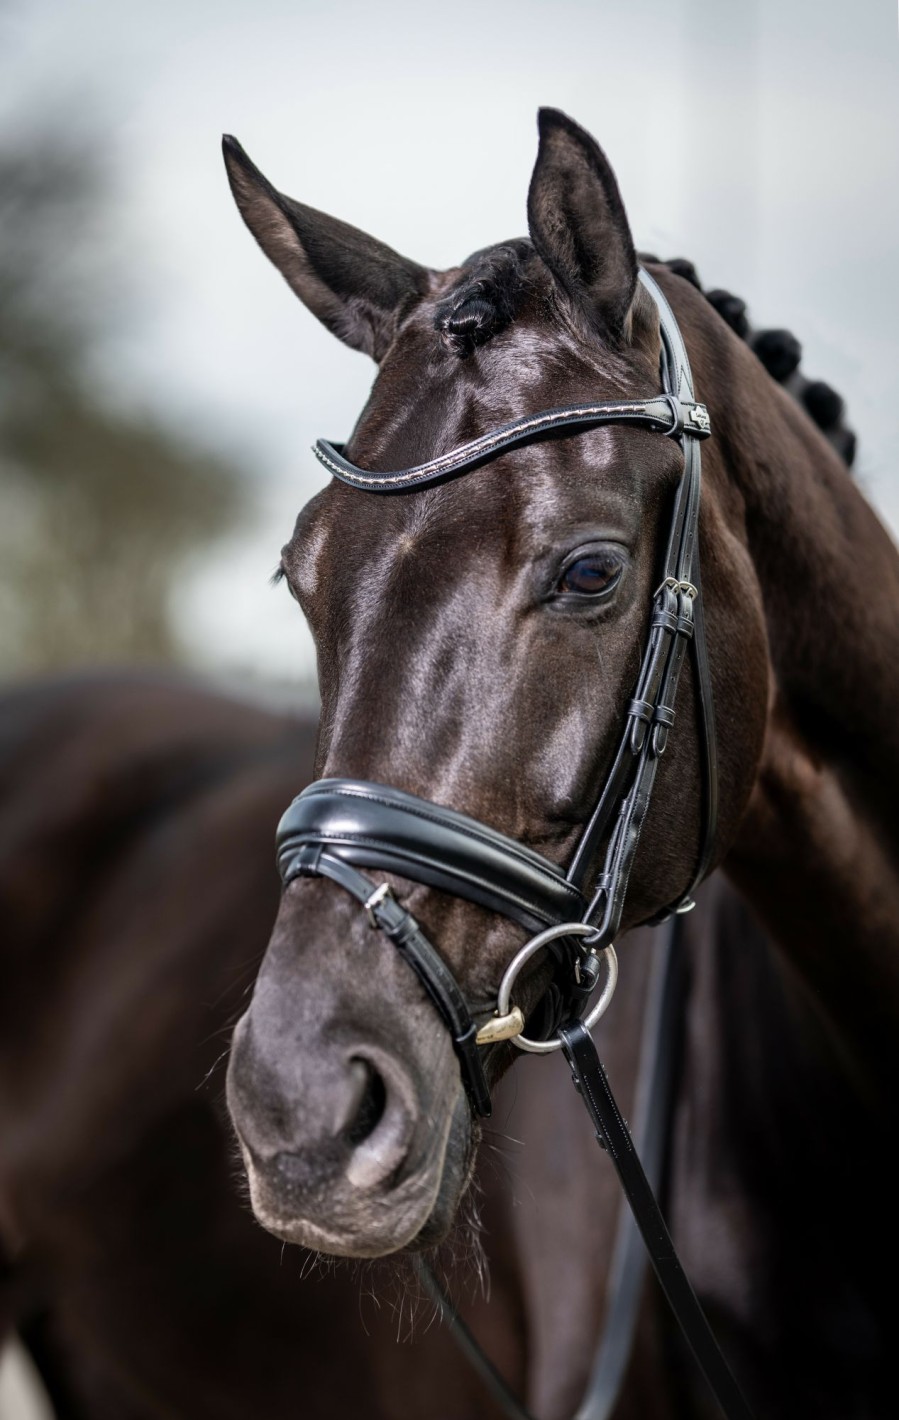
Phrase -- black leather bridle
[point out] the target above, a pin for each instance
(337, 827)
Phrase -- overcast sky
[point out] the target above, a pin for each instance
(759, 138)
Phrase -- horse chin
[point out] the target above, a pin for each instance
(455, 1178)
(417, 1215)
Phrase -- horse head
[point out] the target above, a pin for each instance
(478, 643)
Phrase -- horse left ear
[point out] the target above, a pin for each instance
(579, 226)
(358, 287)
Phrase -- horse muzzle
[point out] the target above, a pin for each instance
(355, 1137)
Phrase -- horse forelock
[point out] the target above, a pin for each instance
(486, 297)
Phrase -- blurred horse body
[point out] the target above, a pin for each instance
(137, 888)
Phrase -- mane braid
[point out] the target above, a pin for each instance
(486, 298)
(780, 353)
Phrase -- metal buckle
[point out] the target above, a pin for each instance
(371, 903)
(686, 588)
(698, 416)
(505, 1013)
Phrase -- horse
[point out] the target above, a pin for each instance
(478, 643)
(132, 1268)
(137, 884)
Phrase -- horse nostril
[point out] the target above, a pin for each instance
(379, 1126)
(372, 1103)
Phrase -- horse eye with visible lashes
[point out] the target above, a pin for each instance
(593, 575)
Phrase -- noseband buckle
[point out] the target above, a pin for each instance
(382, 891)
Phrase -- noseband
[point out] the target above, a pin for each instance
(338, 826)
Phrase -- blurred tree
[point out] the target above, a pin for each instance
(98, 509)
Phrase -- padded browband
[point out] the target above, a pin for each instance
(374, 826)
(663, 414)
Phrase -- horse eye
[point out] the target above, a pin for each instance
(591, 575)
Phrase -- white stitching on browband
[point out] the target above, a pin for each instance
(490, 441)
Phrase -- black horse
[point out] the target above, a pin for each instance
(478, 642)
(137, 882)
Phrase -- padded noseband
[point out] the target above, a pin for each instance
(373, 826)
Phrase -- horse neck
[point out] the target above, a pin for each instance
(816, 853)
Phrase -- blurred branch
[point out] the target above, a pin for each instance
(99, 509)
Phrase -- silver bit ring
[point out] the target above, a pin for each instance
(505, 1009)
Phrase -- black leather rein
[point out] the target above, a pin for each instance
(338, 827)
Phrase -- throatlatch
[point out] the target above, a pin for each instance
(337, 827)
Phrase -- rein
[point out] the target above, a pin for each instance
(337, 827)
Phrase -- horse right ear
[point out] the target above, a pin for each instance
(579, 226)
(357, 287)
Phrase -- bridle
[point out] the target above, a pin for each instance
(337, 827)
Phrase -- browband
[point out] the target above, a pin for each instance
(663, 414)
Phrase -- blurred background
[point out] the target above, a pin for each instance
(159, 384)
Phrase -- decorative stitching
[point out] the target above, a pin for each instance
(624, 411)
(476, 833)
(365, 841)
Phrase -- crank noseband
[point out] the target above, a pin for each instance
(337, 826)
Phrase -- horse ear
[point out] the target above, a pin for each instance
(357, 287)
(579, 226)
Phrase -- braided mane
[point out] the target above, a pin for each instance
(486, 298)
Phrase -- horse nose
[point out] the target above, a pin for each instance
(341, 1116)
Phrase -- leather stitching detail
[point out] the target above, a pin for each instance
(535, 908)
(657, 409)
(508, 845)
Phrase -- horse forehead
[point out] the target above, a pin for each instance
(515, 506)
(533, 361)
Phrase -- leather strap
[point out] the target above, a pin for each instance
(655, 1083)
(643, 1218)
(651, 1114)
(435, 976)
(678, 378)
(662, 414)
(591, 1083)
(468, 1343)
(676, 621)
